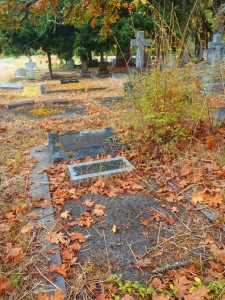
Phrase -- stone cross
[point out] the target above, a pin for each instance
(70, 64)
(216, 49)
(140, 42)
(30, 65)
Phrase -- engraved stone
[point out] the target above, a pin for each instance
(77, 145)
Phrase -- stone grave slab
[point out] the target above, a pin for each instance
(105, 167)
(11, 86)
(21, 73)
(21, 103)
(46, 90)
(77, 145)
(66, 81)
(56, 101)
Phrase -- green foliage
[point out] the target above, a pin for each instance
(165, 106)
(127, 286)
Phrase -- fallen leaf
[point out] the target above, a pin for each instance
(144, 221)
(60, 269)
(143, 263)
(88, 203)
(182, 284)
(65, 214)
(26, 229)
(77, 236)
(56, 238)
(115, 229)
(199, 294)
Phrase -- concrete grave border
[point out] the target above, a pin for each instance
(44, 91)
(21, 103)
(11, 86)
(82, 178)
(40, 188)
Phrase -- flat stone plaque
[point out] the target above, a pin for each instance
(77, 145)
(220, 114)
(65, 81)
(21, 103)
(105, 167)
(11, 86)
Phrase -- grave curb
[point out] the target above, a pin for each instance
(20, 104)
(39, 187)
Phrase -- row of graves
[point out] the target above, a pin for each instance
(124, 236)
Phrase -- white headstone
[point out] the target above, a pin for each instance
(140, 42)
(30, 65)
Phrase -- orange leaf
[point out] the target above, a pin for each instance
(211, 143)
(55, 237)
(60, 269)
(144, 221)
(77, 236)
(88, 203)
(143, 263)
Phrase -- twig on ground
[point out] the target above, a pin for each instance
(170, 267)
(47, 279)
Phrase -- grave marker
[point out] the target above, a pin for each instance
(21, 103)
(21, 72)
(77, 145)
(140, 42)
(11, 86)
(56, 101)
(111, 166)
(66, 81)
(70, 64)
(220, 114)
(30, 65)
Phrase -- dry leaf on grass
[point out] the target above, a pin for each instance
(60, 269)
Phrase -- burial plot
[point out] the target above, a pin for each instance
(77, 145)
(106, 167)
(11, 86)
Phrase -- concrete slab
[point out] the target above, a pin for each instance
(11, 86)
(40, 188)
(56, 101)
(21, 103)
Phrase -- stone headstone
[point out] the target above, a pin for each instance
(65, 81)
(220, 114)
(30, 66)
(21, 72)
(216, 50)
(70, 64)
(102, 70)
(105, 167)
(77, 145)
(140, 42)
(118, 75)
(113, 62)
(11, 86)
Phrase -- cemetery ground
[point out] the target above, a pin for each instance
(156, 232)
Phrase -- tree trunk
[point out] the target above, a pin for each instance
(49, 64)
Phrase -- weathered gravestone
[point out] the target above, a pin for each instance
(118, 75)
(30, 66)
(216, 50)
(140, 42)
(21, 103)
(70, 64)
(11, 86)
(77, 145)
(20, 73)
(56, 101)
(220, 114)
(105, 167)
(66, 81)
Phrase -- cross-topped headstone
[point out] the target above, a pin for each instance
(140, 42)
(30, 65)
